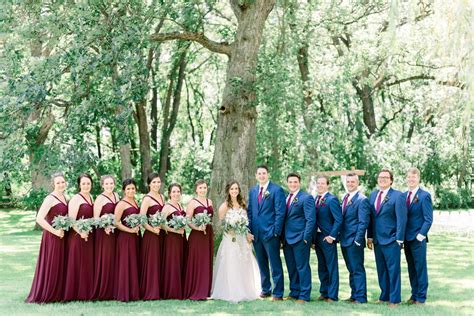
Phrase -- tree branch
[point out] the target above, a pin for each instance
(221, 48)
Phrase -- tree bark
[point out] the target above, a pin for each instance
(169, 118)
(235, 152)
(144, 146)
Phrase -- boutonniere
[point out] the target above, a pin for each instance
(295, 200)
(266, 194)
(415, 200)
(349, 203)
(385, 199)
(321, 202)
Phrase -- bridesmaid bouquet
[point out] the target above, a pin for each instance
(202, 219)
(106, 221)
(178, 222)
(85, 225)
(156, 219)
(236, 222)
(62, 222)
(135, 220)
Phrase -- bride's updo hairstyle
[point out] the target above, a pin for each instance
(228, 198)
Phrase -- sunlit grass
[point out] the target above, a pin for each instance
(451, 271)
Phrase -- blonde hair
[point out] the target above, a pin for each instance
(56, 175)
(414, 170)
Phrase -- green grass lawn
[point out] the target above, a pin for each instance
(450, 264)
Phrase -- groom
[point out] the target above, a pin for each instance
(266, 213)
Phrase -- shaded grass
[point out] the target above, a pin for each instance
(450, 260)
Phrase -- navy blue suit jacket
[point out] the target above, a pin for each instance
(356, 220)
(300, 219)
(420, 215)
(328, 216)
(390, 223)
(266, 219)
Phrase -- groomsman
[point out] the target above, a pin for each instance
(299, 227)
(356, 219)
(420, 218)
(266, 213)
(387, 233)
(328, 225)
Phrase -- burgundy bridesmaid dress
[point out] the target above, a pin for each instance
(198, 276)
(150, 259)
(79, 284)
(48, 282)
(174, 259)
(126, 262)
(105, 258)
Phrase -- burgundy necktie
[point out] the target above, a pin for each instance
(317, 200)
(409, 199)
(260, 195)
(344, 203)
(289, 202)
(379, 202)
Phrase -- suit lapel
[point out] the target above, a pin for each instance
(260, 205)
(385, 200)
(351, 201)
(293, 202)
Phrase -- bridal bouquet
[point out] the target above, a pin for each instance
(135, 220)
(202, 219)
(236, 222)
(178, 222)
(156, 219)
(62, 222)
(106, 221)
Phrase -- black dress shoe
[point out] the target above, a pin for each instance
(265, 295)
(350, 300)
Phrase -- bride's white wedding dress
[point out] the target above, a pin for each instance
(236, 275)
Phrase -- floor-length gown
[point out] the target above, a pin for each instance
(105, 258)
(236, 274)
(151, 260)
(80, 260)
(174, 259)
(126, 263)
(48, 282)
(198, 276)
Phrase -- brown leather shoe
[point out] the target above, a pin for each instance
(301, 301)
(355, 302)
(277, 299)
(328, 300)
(380, 302)
(410, 301)
(265, 295)
(393, 305)
(419, 303)
(290, 298)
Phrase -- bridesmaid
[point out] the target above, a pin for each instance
(152, 242)
(174, 253)
(198, 277)
(48, 282)
(105, 242)
(80, 246)
(126, 266)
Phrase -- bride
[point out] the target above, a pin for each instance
(236, 276)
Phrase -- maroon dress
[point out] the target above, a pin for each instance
(105, 258)
(126, 263)
(79, 284)
(48, 282)
(174, 259)
(150, 259)
(198, 277)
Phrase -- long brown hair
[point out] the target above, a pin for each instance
(228, 198)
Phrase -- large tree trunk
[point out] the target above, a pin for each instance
(169, 118)
(144, 147)
(235, 152)
(125, 161)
